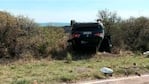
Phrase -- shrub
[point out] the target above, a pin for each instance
(20, 35)
(130, 34)
(68, 58)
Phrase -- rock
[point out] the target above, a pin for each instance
(146, 53)
(106, 70)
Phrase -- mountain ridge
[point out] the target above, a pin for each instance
(57, 24)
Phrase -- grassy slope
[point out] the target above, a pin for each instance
(50, 72)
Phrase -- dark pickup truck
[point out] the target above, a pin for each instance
(86, 35)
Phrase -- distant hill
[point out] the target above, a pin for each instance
(57, 24)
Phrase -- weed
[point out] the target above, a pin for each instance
(67, 78)
(68, 58)
(22, 81)
(98, 76)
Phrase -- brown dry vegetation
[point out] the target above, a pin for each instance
(21, 37)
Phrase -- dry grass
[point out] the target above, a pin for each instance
(57, 71)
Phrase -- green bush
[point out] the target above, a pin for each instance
(130, 34)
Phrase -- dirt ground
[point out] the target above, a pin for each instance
(143, 79)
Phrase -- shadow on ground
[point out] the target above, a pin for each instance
(79, 54)
(56, 54)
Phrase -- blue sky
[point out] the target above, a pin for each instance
(80, 10)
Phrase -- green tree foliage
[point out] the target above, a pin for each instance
(109, 19)
(136, 33)
(112, 24)
(131, 34)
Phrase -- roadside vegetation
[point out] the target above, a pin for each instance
(21, 36)
(59, 71)
(30, 53)
(129, 34)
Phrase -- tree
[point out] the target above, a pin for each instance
(109, 19)
(112, 24)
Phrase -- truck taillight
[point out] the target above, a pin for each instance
(99, 34)
(75, 35)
